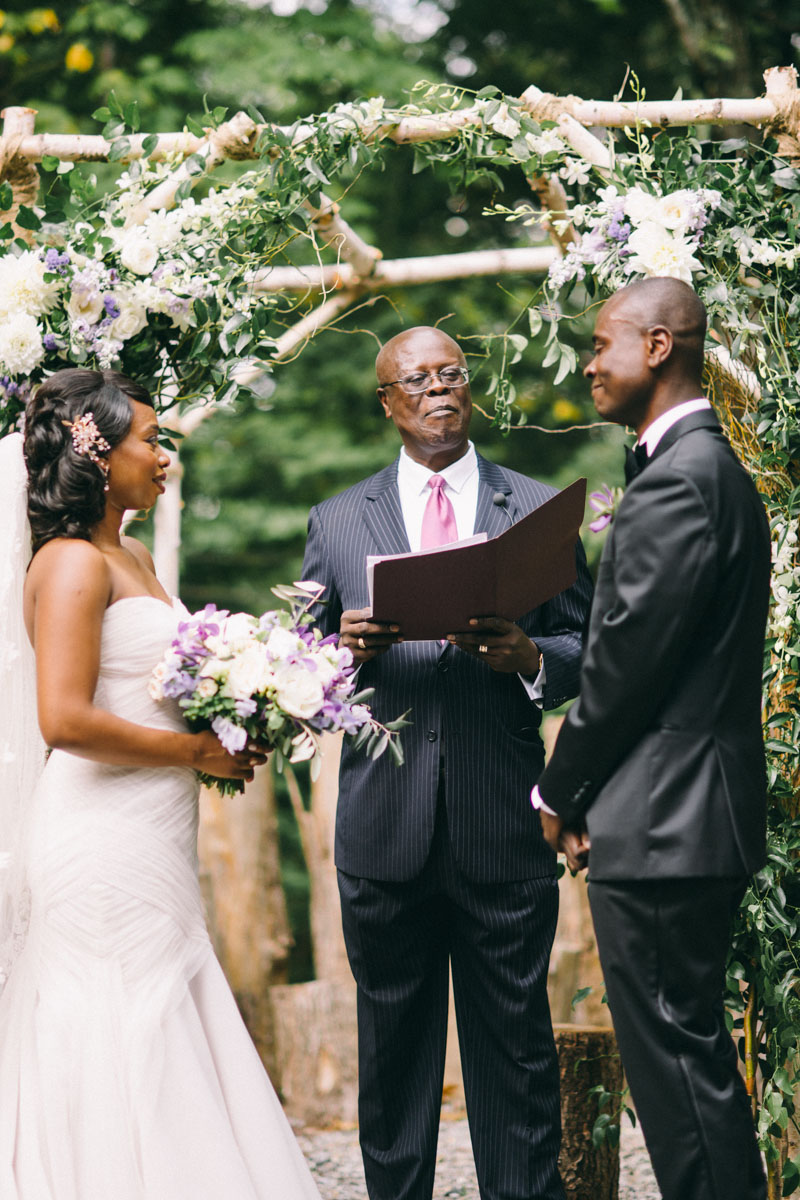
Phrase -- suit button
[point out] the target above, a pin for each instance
(431, 735)
(442, 666)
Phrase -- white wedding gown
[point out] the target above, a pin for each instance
(125, 1070)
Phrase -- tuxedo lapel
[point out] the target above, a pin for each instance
(383, 514)
(705, 419)
(492, 518)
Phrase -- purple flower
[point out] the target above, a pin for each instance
(55, 261)
(111, 306)
(604, 504)
(233, 737)
(619, 230)
(245, 708)
(50, 342)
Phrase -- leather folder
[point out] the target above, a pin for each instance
(435, 592)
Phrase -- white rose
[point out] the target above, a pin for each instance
(155, 688)
(85, 304)
(676, 210)
(21, 348)
(238, 629)
(298, 691)
(282, 643)
(214, 668)
(656, 251)
(250, 672)
(207, 687)
(640, 205)
(139, 254)
(131, 320)
(325, 670)
(22, 285)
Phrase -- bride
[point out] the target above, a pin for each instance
(125, 1070)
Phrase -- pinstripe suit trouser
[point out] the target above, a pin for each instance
(400, 938)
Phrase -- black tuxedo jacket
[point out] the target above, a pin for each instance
(477, 725)
(662, 753)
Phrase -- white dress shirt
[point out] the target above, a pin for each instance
(461, 488)
(461, 482)
(656, 430)
(649, 439)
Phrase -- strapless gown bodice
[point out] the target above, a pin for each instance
(125, 1069)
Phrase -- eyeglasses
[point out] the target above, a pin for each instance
(421, 381)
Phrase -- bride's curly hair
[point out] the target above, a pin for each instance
(66, 496)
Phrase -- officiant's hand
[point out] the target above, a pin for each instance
(366, 638)
(500, 644)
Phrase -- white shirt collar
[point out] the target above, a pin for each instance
(415, 476)
(654, 432)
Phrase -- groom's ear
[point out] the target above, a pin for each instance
(660, 344)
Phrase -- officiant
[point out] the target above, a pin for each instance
(439, 862)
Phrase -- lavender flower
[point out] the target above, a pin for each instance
(233, 737)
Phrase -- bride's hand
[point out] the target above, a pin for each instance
(211, 757)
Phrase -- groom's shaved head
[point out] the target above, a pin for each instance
(668, 304)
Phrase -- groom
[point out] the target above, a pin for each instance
(658, 773)
(439, 862)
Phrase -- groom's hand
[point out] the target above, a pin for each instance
(366, 638)
(573, 843)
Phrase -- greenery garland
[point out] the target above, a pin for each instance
(171, 300)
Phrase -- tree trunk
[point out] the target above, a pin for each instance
(241, 881)
(587, 1056)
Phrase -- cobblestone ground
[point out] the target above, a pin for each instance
(336, 1163)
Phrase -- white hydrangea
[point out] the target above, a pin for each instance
(21, 348)
(23, 288)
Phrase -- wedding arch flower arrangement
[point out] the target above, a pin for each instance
(168, 291)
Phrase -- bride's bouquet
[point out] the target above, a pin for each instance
(273, 679)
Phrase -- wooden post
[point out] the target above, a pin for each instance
(15, 169)
(167, 528)
(241, 880)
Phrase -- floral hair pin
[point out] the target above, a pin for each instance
(87, 440)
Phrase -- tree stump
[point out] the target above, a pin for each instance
(317, 1052)
(587, 1056)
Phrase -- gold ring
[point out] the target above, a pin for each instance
(483, 649)
(362, 645)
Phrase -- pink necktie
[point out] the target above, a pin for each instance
(438, 521)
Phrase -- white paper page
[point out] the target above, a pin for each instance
(372, 559)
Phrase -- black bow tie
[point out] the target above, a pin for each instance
(635, 462)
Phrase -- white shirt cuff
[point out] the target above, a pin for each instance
(535, 687)
(538, 802)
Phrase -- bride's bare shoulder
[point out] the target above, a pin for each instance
(69, 565)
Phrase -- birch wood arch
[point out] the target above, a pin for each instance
(359, 267)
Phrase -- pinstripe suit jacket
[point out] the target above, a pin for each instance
(478, 723)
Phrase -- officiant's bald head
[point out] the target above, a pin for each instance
(648, 351)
